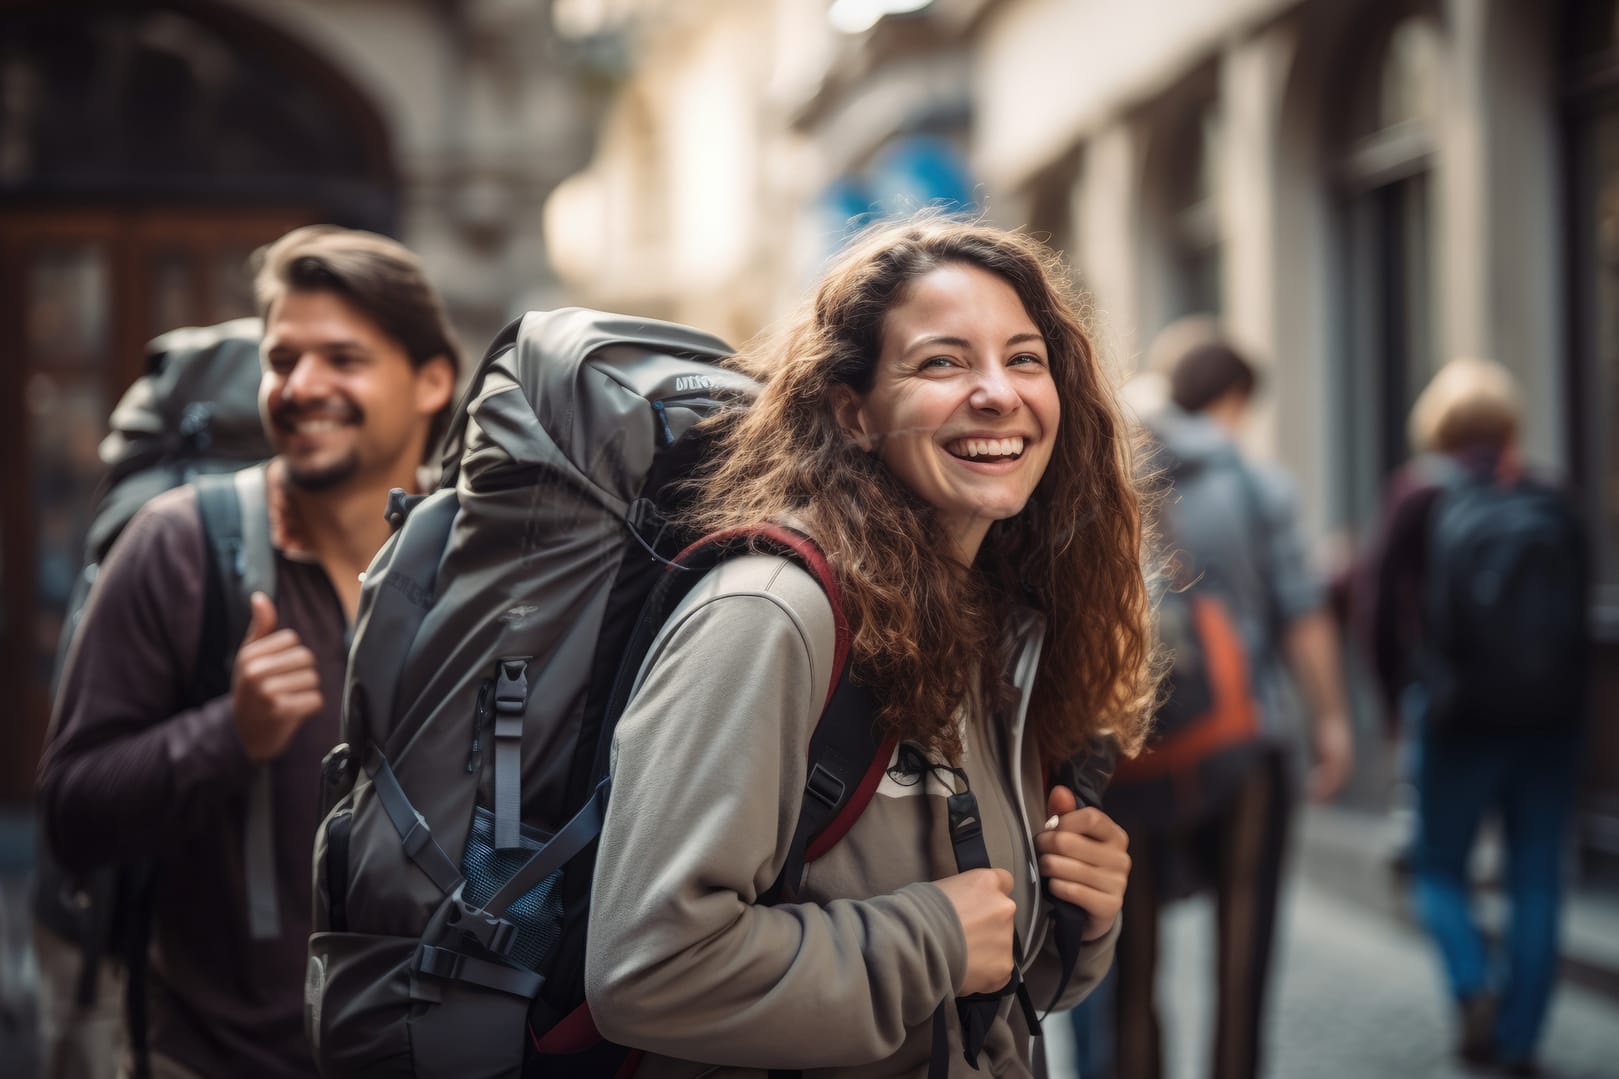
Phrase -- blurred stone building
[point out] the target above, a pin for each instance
(1358, 190)
(147, 146)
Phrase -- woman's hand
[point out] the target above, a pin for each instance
(1083, 855)
(983, 902)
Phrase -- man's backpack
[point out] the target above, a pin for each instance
(1206, 735)
(1505, 641)
(191, 418)
(499, 633)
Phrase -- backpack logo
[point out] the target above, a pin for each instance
(519, 614)
(690, 383)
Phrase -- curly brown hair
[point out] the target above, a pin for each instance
(922, 623)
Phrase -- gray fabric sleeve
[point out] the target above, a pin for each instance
(708, 774)
(129, 774)
(1296, 586)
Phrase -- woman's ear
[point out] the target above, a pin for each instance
(846, 405)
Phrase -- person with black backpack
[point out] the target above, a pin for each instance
(190, 726)
(1481, 646)
(936, 422)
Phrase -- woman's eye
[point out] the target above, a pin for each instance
(1027, 358)
(937, 362)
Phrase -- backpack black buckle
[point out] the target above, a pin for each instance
(511, 690)
(493, 934)
(400, 503)
(825, 786)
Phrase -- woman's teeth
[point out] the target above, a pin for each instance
(974, 448)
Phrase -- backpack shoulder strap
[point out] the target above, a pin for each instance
(1087, 775)
(236, 532)
(846, 758)
(241, 560)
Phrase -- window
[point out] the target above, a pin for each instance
(1385, 194)
(1194, 227)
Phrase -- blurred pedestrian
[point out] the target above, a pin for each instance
(938, 422)
(1477, 612)
(358, 366)
(1234, 524)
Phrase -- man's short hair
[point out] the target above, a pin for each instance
(1201, 366)
(381, 277)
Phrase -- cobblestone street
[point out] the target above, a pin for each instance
(1357, 995)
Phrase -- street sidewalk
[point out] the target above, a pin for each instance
(1349, 853)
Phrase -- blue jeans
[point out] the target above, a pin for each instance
(1529, 781)
(1092, 1023)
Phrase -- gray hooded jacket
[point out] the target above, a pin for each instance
(708, 774)
(1238, 524)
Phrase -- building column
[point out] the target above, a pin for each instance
(1263, 261)
(1109, 249)
(1499, 233)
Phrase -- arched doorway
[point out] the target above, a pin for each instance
(145, 150)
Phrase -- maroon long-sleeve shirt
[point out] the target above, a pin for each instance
(135, 774)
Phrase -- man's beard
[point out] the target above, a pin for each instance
(326, 477)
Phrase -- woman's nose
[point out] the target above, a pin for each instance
(994, 392)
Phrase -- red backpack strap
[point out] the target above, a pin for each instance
(716, 546)
(846, 759)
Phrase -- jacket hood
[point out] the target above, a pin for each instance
(1190, 436)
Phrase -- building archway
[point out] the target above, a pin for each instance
(145, 150)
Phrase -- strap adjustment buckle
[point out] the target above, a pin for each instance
(825, 786)
(511, 689)
(495, 935)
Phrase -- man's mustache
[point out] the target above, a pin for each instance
(288, 414)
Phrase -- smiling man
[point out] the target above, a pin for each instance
(358, 369)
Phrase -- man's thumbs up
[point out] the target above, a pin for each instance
(262, 620)
(275, 685)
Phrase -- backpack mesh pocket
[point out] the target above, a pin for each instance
(537, 913)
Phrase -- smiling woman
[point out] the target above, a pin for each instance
(936, 420)
(962, 406)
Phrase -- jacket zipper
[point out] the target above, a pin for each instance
(1032, 631)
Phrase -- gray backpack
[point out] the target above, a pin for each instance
(498, 633)
(192, 417)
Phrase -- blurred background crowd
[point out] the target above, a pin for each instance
(1358, 190)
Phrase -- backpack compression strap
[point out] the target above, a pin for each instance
(236, 530)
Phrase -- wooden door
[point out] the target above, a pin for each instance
(81, 292)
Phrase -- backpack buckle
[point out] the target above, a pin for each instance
(493, 934)
(825, 786)
(511, 689)
(400, 503)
